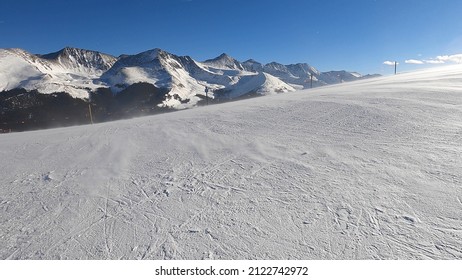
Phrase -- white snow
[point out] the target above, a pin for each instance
(14, 70)
(363, 170)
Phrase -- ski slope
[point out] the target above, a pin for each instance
(362, 170)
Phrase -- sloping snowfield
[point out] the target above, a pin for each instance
(363, 170)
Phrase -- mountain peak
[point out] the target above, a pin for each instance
(253, 61)
(252, 65)
(152, 54)
(224, 55)
(300, 69)
(155, 50)
(70, 57)
(224, 61)
(66, 51)
(71, 51)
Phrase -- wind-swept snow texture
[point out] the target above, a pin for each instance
(366, 170)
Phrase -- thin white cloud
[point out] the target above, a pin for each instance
(414, 61)
(391, 63)
(433, 61)
(441, 59)
(455, 58)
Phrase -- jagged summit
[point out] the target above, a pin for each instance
(64, 52)
(141, 58)
(275, 66)
(152, 54)
(302, 68)
(146, 67)
(224, 61)
(81, 58)
(223, 56)
(252, 65)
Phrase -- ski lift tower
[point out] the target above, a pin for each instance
(310, 78)
(207, 95)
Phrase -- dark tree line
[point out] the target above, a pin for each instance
(22, 110)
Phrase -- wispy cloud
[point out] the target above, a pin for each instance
(455, 58)
(433, 61)
(413, 61)
(391, 63)
(441, 59)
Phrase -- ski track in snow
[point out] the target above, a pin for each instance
(364, 170)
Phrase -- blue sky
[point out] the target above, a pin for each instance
(355, 35)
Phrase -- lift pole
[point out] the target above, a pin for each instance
(207, 95)
(89, 110)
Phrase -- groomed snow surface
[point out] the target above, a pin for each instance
(364, 170)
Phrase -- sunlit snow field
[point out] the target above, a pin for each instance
(362, 170)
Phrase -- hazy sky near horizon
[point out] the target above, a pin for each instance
(355, 35)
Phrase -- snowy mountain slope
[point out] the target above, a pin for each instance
(187, 78)
(16, 70)
(335, 77)
(261, 83)
(252, 65)
(299, 75)
(295, 74)
(224, 61)
(364, 170)
(70, 70)
(80, 61)
(143, 67)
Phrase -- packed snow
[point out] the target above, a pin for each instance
(362, 170)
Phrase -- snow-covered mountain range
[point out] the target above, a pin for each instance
(80, 72)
